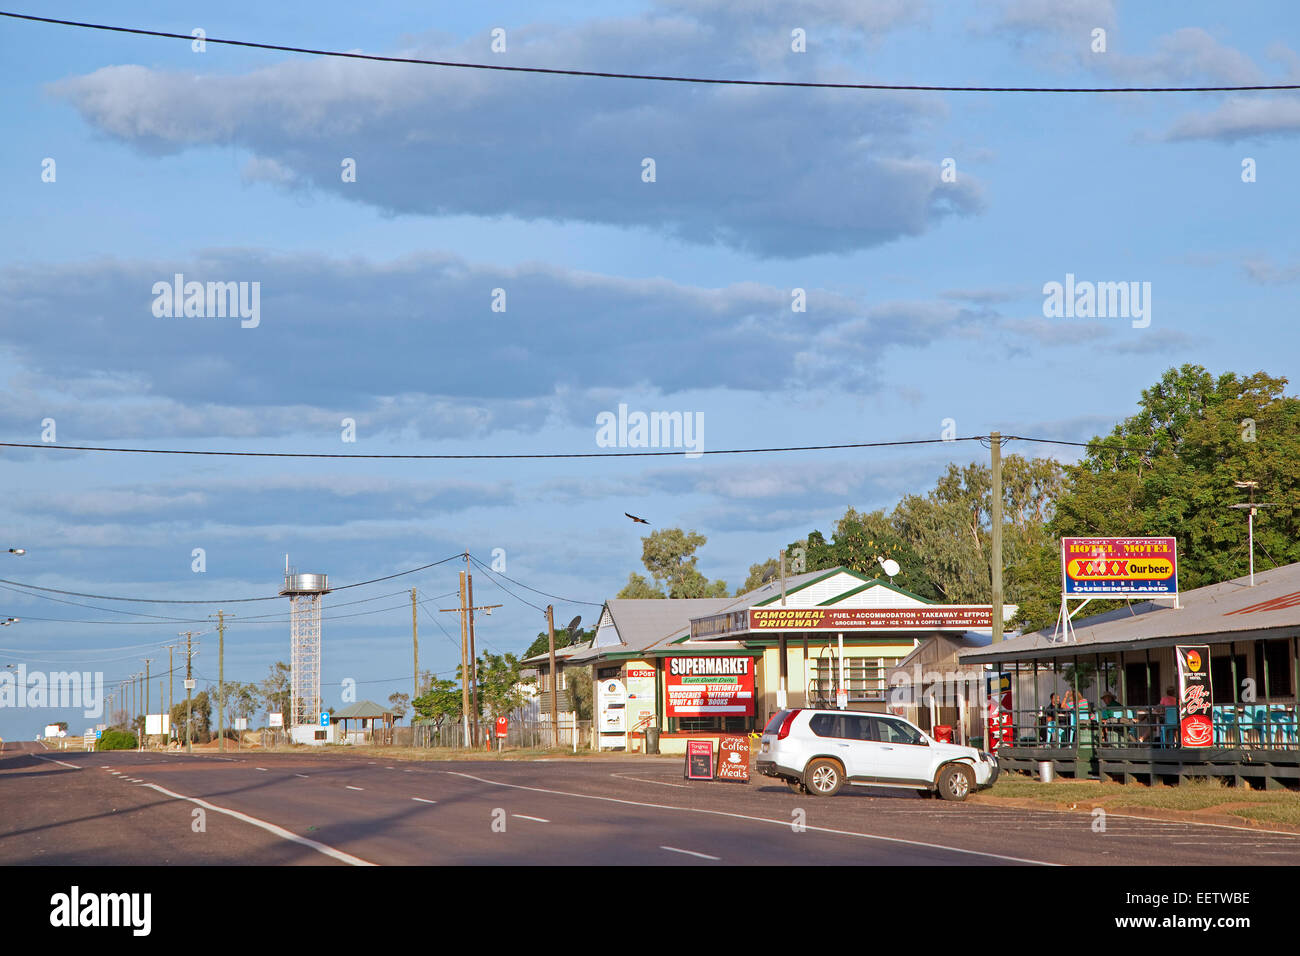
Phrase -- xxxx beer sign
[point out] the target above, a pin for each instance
(1119, 567)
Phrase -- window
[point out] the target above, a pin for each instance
(896, 732)
(726, 725)
(864, 678)
(1221, 677)
(1277, 654)
(1135, 675)
(842, 726)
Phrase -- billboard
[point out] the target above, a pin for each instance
(921, 617)
(640, 696)
(700, 686)
(1195, 725)
(1119, 567)
(157, 724)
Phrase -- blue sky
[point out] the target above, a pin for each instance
(924, 297)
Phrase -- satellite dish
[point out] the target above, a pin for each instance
(573, 625)
(889, 566)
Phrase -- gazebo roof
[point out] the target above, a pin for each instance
(366, 709)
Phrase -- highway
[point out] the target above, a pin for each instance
(129, 808)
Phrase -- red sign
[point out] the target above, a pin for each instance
(999, 712)
(697, 686)
(919, 618)
(1195, 725)
(699, 760)
(501, 726)
(733, 759)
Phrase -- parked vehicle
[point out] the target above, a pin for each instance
(818, 751)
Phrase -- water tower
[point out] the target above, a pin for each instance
(304, 593)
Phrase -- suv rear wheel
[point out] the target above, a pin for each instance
(954, 782)
(823, 777)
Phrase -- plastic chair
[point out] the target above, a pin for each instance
(1169, 729)
(1284, 725)
(1225, 725)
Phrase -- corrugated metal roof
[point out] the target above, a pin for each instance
(362, 708)
(1218, 612)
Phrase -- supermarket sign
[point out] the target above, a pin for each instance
(700, 686)
(1119, 567)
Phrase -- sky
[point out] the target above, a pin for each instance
(469, 262)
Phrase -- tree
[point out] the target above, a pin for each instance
(275, 690)
(578, 681)
(201, 729)
(441, 701)
(639, 588)
(398, 702)
(242, 700)
(542, 643)
(669, 556)
(500, 689)
(1169, 470)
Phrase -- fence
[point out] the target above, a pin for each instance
(519, 734)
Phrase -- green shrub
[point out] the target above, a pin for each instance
(117, 740)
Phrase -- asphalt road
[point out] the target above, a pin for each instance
(128, 808)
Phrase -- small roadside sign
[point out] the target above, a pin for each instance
(501, 726)
(324, 718)
(276, 720)
(699, 760)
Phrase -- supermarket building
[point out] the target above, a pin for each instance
(668, 670)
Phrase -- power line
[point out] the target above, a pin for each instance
(509, 457)
(660, 78)
(534, 590)
(110, 597)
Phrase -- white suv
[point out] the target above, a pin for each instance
(818, 751)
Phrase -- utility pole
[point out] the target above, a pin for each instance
(555, 677)
(464, 661)
(189, 686)
(473, 655)
(221, 681)
(415, 642)
(171, 687)
(995, 518)
(147, 662)
(466, 611)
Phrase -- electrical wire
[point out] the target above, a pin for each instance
(507, 457)
(534, 590)
(662, 78)
(277, 597)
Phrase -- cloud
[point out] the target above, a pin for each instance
(770, 172)
(414, 344)
(1264, 272)
(1241, 117)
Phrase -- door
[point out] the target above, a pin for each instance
(898, 753)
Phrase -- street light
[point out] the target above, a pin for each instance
(17, 550)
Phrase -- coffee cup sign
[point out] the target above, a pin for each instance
(733, 759)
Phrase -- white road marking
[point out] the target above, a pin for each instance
(263, 769)
(388, 768)
(269, 827)
(702, 856)
(52, 760)
(534, 819)
(355, 788)
(422, 800)
(661, 783)
(303, 775)
(406, 771)
(744, 816)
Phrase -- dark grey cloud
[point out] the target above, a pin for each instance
(768, 171)
(414, 344)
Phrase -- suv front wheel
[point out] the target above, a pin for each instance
(954, 782)
(823, 778)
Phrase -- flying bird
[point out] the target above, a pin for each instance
(636, 519)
